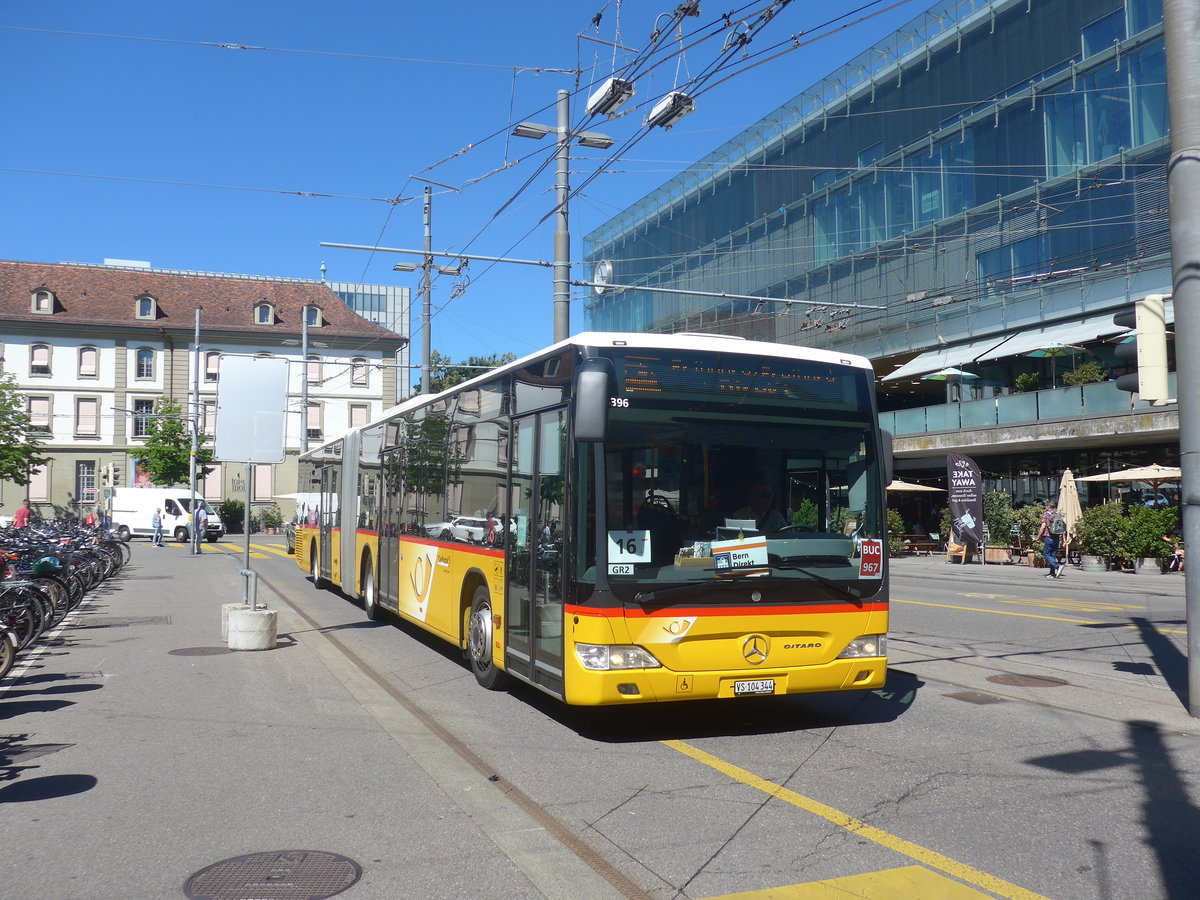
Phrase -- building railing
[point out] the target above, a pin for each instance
(1100, 399)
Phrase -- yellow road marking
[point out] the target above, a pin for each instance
(1004, 612)
(889, 884)
(1078, 605)
(269, 548)
(859, 828)
(235, 550)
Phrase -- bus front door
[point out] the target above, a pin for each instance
(534, 615)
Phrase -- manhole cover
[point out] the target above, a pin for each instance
(1027, 680)
(276, 875)
(199, 651)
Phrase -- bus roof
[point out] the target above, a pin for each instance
(716, 343)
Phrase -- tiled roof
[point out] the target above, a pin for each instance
(101, 295)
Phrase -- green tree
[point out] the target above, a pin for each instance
(166, 456)
(445, 373)
(998, 514)
(431, 459)
(19, 444)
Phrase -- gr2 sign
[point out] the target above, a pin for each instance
(871, 561)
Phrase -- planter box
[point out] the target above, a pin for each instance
(1002, 555)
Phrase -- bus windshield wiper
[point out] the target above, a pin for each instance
(646, 596)
(829, 583)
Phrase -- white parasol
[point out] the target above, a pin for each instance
(901, 485)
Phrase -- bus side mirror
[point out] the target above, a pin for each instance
(592, 397)
(885, 452)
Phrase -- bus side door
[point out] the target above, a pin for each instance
(534, 599)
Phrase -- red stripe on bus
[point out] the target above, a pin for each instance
(711, 611)
(466, 548)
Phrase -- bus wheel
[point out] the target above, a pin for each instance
(370, 601)
(314, 564)
(479, 642)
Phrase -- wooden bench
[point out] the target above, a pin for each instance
(918, 544)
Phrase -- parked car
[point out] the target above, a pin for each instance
(459, 528)
(1155, 501)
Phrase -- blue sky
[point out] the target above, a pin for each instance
(130, 134)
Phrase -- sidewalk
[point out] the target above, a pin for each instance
(1137, 672)
(136, 751)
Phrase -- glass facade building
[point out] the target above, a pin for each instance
(388, 306)
(990, 167)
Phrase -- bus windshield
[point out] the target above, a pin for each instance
(706, 482)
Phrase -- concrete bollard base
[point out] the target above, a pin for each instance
(252, 629)
(226, 609)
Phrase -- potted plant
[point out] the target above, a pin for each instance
(1098, 530)
(270, 518)
(998, 516)
(233, 514)
(1026, 382)
(1139, 537)
(1089, 372)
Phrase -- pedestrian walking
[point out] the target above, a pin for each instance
(156, 524)
(201, 520)
(1051, 532)
(22, 516)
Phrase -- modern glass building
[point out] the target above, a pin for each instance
(389, 306)
(987, 182)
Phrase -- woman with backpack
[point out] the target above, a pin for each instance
(1053, 527)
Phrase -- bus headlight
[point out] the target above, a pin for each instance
(866, 645)
(606, 657)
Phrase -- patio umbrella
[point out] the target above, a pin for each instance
(901, 485)
(1068, 503)
(1153, 474)
(948, 375)
(1051, 351)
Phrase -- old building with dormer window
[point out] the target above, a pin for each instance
(97, 348)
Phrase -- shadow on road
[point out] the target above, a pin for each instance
(716, 718)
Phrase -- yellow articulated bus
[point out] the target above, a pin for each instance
(625, 518)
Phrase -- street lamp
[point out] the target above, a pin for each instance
(562, 234)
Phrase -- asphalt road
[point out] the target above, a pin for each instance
(1030, 742)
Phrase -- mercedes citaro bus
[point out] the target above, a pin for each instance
(666, 517)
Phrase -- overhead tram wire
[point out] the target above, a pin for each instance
(699, 80)
(629, 143)
(222, 45)
(719, 25)
(318, 195)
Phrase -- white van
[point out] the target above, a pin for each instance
(132, 513)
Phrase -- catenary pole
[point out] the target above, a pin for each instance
(426, 288)
(195, 417)
(562, 233)
(1181, 26)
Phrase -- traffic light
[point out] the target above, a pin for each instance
(106, 475)
(116, 474)
(1148, 351)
